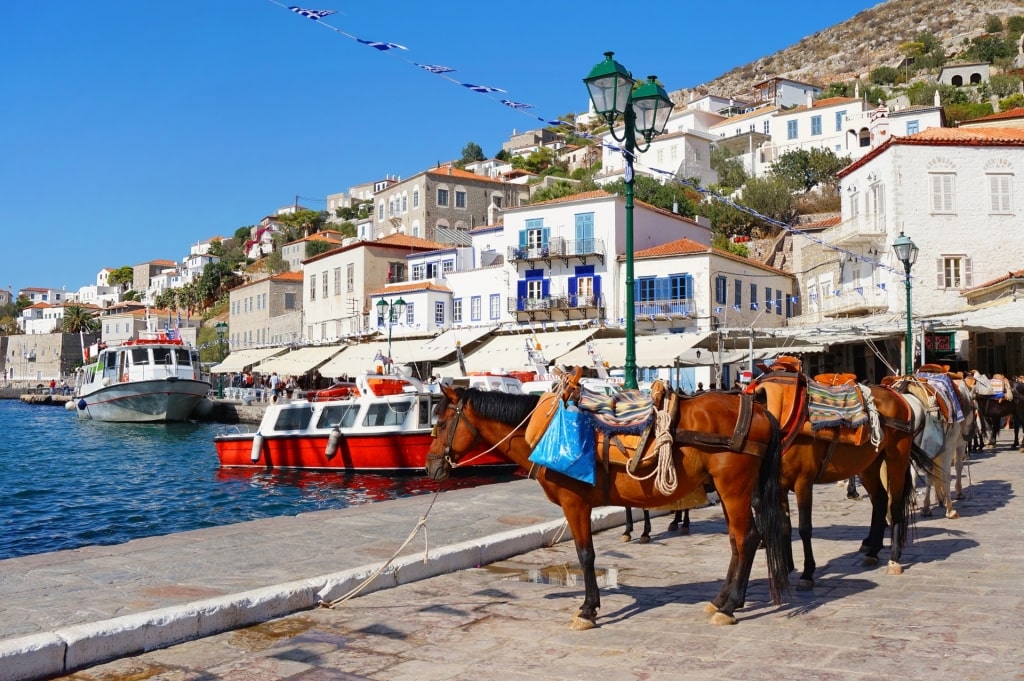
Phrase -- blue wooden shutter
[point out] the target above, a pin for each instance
(520, 294)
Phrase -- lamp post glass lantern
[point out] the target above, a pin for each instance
(906, 252)
(644, 111)
(390, 311)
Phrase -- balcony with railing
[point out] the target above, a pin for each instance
(560, 248)
(559, 307)
(678, 308)
(853, 301)
(865, 228)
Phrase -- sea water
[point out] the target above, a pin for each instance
(67, 483)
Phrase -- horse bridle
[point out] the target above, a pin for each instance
(446, 453)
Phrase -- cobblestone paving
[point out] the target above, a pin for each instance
(957, 611)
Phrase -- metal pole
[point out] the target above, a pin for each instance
(629, 378)
(909, 356)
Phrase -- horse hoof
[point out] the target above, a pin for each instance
(805, 585)
(870, 561)
(684, 530)
(625, 538)
(864, 547)
(710, 609)
(644, 540)
(926, 513)
(960, 496)
(582, 624)
(721, 619)
(953, 515)
(672, 527)
(894, 568)
(852, 495)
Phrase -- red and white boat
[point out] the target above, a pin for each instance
(379, 422)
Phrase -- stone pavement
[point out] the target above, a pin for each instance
(956, 612)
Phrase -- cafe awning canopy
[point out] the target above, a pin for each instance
(240, 360)
(660, 350)
(298, 362)
(511, 352)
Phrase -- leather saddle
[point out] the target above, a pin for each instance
(784, 389)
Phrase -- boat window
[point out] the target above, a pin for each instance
(341, 415)
(161, 355)
(140, 356)
(110, 360)
(427, 407)
(387, 414)
(183, 356)
(295, 418)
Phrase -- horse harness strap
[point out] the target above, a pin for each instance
(733, 443)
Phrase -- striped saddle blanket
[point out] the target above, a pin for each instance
(629, 411)
(832, 406)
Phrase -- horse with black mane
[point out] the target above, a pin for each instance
(815, 454)
(718, 436)
(993, 409)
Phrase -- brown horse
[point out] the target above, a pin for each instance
(992, 412)
(813, 458)
(742, 462)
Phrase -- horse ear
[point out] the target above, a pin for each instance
(449, 392)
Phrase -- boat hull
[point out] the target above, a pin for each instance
(149, 401)
(369, 452)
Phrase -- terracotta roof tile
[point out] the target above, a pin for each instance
(1019, 274)
(947, 137)
(1012, 113)
(449, 170)
(686, 246)
(410, 287)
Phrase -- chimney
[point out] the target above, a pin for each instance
(810, 99)
(937, 100)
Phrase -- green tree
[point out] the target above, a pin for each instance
(470, 153)
(967, 112)
(725, 243)
(668, 196)
(989, 48)
(731, 174)
(1004, 84)
(9, 326)
(78, 319)
(318, 246)
(122, 276)
(993, 24)
(558, 190)
(301, 223)
(805, 169)
(770, 196)
(273, 263)
(837, 89)
(1012, 102)
(883, 75)
(1015, 25)
(243, 234)
(217, 248)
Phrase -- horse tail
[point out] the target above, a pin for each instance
(767, 504)
(901, 524)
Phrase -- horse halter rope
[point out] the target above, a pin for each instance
(446, 454)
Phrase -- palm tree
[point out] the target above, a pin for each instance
(78, 319)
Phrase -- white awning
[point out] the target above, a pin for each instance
(443, 346)
(298, 362)
(358, 359)
(240, 360)
(662, 350)
(1005, 317)
(510, 352)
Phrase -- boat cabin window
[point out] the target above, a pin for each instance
(162, 355)
(295, 418)
(388, 414)
(341, 415)
(183, 356)
(428, 407)
(140, 356)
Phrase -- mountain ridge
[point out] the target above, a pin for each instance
(851, 49)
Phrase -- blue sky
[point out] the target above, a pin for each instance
(131, 130)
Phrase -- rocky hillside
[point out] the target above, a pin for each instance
(870, 39)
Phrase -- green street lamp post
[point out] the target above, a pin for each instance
(391, 310)
(645, 112)
(222, 329)
(906, 253)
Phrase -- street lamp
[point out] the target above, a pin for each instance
(906, 252)
(222, 329)
(644, 112)
(390, 310)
